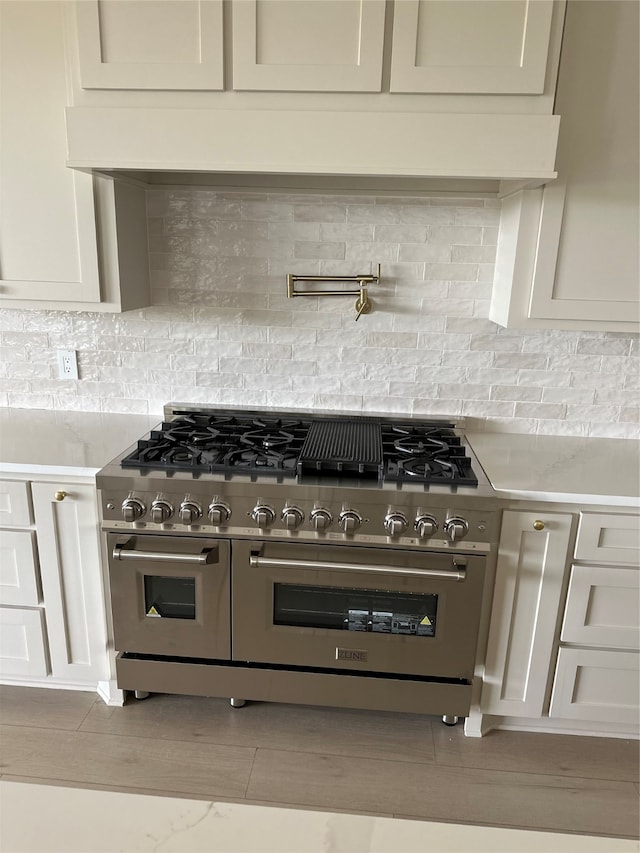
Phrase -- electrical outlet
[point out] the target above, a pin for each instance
(67, 364)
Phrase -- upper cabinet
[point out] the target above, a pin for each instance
(48, 246)
(61, 231)
(155, 44)
(289, 46)
(351, 47)
(486, 47)
(568, 253)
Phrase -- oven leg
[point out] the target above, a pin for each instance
(449, 720)
(141, 694)
(237, 703)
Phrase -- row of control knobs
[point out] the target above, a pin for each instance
(264, 516)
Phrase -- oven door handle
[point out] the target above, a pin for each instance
(121, 553)
(459, 572)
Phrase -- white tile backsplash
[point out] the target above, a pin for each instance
(222, 331)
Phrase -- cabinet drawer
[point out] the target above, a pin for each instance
(608, 538)
(15, 504)
(18, 568)
(595, 685)
(603, 607)
(22, 642)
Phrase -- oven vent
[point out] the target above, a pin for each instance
(347, 447)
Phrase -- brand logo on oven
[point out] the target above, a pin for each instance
(352, 654)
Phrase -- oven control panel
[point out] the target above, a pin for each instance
(406, 523)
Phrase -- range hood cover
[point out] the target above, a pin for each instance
(383, 144)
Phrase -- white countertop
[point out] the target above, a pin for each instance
(560, 468)
(519, 467)
(76, 820)
(35, 441)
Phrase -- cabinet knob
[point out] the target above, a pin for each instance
(60, 496)
(538, 525)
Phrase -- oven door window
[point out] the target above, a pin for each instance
(169, 598)
(374, 611)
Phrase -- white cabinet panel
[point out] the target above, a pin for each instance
(470, 46)
(22, 643)
(597, 685)
(603, 607)
(48, 247)
(529, 575)
(314, 46)
(150, 44)
(18, 568)
(71, 574)
(608, 538)
(15, 503)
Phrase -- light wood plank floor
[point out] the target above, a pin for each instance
(339, 760)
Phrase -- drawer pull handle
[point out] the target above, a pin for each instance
(60, 496)
(538, 525)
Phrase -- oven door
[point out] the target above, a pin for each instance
(170, 595)
(336, 607)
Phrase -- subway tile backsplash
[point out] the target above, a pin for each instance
(222, 331)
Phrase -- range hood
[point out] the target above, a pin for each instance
(461, 151)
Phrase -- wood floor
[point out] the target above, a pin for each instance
(338, 760)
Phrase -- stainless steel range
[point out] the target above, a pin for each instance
(320, 559)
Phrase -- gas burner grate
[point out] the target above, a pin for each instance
(419, 452)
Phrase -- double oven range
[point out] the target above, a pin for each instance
(319, 559)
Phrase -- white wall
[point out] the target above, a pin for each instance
(222, 330)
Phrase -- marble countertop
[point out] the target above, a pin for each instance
(560, 468)
(77, 820)
(519, 467)
(35, 441)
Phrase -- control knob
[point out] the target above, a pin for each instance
(320, 518)
(395, 523)
(161, 510)
(456, 528)
(292, 517)
(425, 526)
(219, 512)
(263, 515)
(349, 520)
(132, 509)
(190, 511)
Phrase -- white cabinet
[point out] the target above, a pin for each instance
(470, 46)
(48, 247)
(314, 46)
(52, 614)
(532, 556)
(51, 234)
(598, 670)
(156, 44)
(568, 254)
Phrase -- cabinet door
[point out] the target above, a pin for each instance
(70, 568)
(597, 685)
(150, 44)
(22, 642)
(603, 607)
(529, 576)
(48, 248)
(608, 538)
(18, 568)
(314, 46)
(470, 46)
(15, 503)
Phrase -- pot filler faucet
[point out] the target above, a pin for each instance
(363, 303)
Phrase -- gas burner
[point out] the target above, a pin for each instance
(192, 435)
(255, 459)
(428, 468)
(415, 445)
(267, 438)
